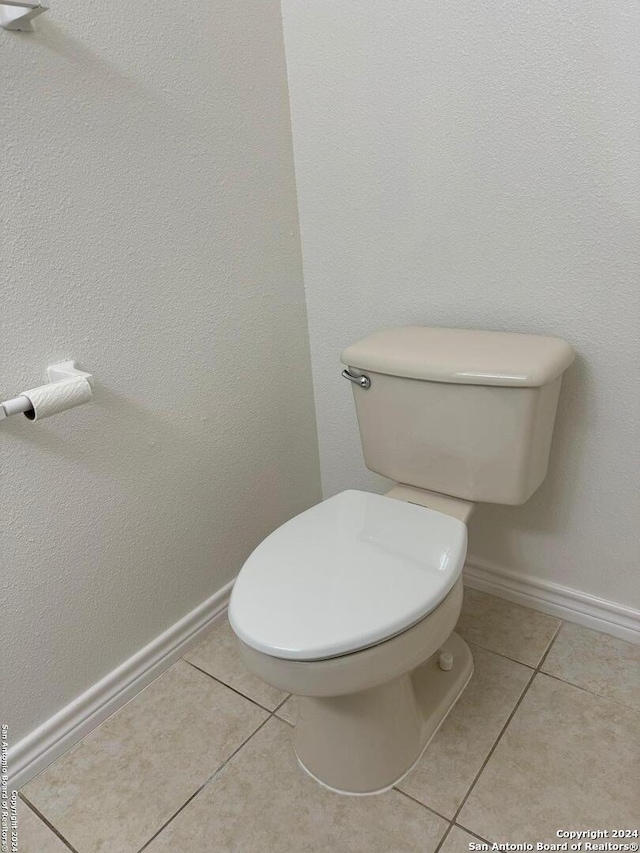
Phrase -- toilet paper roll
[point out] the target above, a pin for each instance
(57, 396)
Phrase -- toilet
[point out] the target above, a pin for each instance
(351, 605)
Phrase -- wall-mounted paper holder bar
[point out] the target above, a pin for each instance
(60, 372)
(18, 14)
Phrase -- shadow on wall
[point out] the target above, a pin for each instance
(147, 454)
(186, 461)
(134, 431)
(548, 509)
(93, 69)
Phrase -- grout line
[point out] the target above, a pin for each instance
(539, 669)
(500, 654)
(224, 684)
(444, 838)
(590, 692)
(428, 808)
(277, 708)
(471, 832)
(553, 639)
(47, 823)
(271, 713)
(534, 672)
(495, 744)
(204, 784)
(282, 719)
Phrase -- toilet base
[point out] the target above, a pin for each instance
(364, 743)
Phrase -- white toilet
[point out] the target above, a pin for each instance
(351, 605)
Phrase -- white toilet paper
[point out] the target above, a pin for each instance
(57, 396)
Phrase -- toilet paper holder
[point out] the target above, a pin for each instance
(55, 373)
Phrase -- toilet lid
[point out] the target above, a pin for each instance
(346, 574)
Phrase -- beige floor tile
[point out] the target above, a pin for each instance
(458, 841)
(219, 656)
(262, 801)
(454, 757)
(597, 662)
(34, 836)
(567, 759)
(115, 788)
(289, 711)
(506, 628)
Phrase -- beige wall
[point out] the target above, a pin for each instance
(476, 164)
(149, 230)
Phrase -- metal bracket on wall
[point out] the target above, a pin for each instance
(18, 14)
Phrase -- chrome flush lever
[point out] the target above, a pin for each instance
(362, 381)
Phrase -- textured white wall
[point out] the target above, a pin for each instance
(149, 230)
(475, 163)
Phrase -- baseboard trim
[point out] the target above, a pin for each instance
(39, 748)
(554, 599)
(42, 746)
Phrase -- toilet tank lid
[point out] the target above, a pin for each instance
(464, 356)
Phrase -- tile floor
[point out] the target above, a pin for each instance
(546, 736)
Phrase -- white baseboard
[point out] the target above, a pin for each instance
(42, 746)
(60, 732)
(562, 601)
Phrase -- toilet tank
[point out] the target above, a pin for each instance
(463, 412)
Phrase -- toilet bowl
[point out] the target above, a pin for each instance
(351, 607)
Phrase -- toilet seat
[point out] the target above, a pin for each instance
(347, 574)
